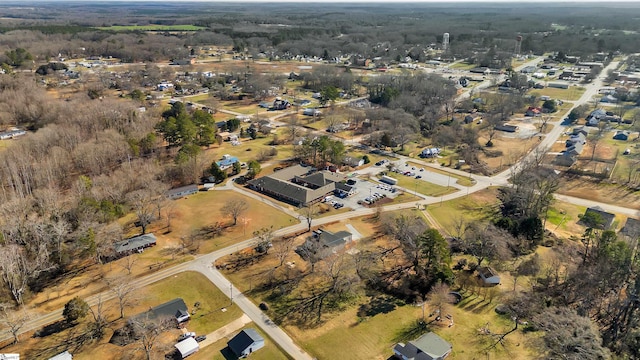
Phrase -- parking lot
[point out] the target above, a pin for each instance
(424, 174)
(365, 190)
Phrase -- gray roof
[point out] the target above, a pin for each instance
(631, 228)
(607, 217)
(427, 347)
(329, 239)
(280, 184)
(182, 190)
(134, 243)
(243, 340)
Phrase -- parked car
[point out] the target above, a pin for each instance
(200, 338)
(186, 336)
(418, 177)
(263, 306)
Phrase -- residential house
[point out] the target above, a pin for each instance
(296, 185)
(182, 191)
(323, 243)
(311, 112)
(429, 152)
(607, 218)
(189, 61)
(280, 104)
(187, 347)
(353, 161)
(62, 356)
(507, 128)
(11, 134)
(622, 135)
(468, 119)
(175, 310)
(134, 244)
(578, 138)
(246, 342)
(609, 99)
(533, 111)
(427, 347)
(488, 276)
(226, 162)
(631, 228)
(595, 117)
(580, 130)
(558, 85)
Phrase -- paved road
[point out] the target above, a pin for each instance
(203, 263)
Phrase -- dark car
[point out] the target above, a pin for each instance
(263, 306)
(418, 177)
(351, 182)
(200, 338)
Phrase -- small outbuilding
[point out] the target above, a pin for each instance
(488, 276)
(137, 243)
(187, 347)
(246, 342)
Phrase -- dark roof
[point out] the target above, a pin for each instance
(607, 217)
(243, 340)
(631, 228)
(329, 239)
(134, 243)
(506, 127)
(170, 308)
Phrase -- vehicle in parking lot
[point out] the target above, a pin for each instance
(421, 169)
(351, 182)
(418, 177)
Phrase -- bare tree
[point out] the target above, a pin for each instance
(100, 322)
(14, 319)
(142, 202)
(235, 208)
(264, 239)
(440, 298)
(16, 270)
(282, 248)
(128, 262)
(147, 330)
(124, 290)
(309, 213)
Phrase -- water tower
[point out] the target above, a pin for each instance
(516, 52)
(445, 42)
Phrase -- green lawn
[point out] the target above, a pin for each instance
(193, 287)
(572, 93)
(469, 208)
(462, 66)
(423, 187)
(151, 28)
(217, 350)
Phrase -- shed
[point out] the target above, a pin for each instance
(62, 356)
(246, 342)
(488, 276)
(187, 347)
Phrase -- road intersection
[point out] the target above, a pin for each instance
(204, 264)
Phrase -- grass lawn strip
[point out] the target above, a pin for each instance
(411, 184)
